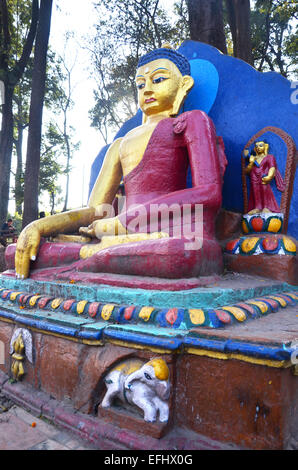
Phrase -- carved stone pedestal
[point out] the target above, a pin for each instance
(230, 352)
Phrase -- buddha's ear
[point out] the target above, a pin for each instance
(187, 83)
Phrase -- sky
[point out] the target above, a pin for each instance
(70, 16)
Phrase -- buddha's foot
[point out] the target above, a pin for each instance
(89, 250)
(254, 211)
(265, 211)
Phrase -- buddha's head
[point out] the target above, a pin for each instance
(163, 81)
(261, 148)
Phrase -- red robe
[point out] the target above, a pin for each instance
(261, 195)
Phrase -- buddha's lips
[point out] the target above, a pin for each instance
(150, 100)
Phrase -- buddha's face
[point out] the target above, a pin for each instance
(161, 87)
(260, 148)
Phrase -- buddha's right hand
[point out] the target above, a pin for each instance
(26, 250)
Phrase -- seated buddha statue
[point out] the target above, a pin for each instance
(153, 160)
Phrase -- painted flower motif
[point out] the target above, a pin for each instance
(274, 225)
(257, 224)
(270, 244)
(249, 244)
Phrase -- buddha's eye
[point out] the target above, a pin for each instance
(159, 79)
(140, 86)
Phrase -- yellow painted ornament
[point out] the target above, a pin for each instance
(33, 300)
(81, 305)
(249, 244)
(107, 311)
(14, 295)
(289, 245)
(197, 316)
(237, 312)
(56, 302)
(145, 313)
(274, 225)
(261, 305)
(244, 227)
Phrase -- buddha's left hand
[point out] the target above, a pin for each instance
(103, 227)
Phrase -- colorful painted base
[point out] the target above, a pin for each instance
(262, 244)
(209, 338)
(263, 222)
(211, 308)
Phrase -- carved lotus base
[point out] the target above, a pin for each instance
(262, 222)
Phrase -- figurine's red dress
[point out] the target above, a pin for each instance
(261, 195)
(160, 178)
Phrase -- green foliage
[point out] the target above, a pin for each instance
(275, 36)
(19, 17)
(56, 141)
(125, 30)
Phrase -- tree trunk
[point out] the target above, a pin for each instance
(18, 193)
(35, 116)
(6, 143)
(10, 78)
(206, 22)
(66, 138)
(239, 21)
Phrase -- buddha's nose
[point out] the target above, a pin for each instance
(147, 89)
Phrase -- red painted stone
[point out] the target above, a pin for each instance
(44, 301)
(257, 224)
(171, 315)
(5, 294)
(23, 299)
(270, 244)
(223, 316)
(68, 304)
(93, 309)
(230, 246)
(128, 312)
(247, 307)
(274, 304)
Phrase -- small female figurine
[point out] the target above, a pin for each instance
(262, 169)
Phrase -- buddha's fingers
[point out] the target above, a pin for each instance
(89, 231)
(22, 264)
(26, 250)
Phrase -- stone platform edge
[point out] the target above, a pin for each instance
(157, 339)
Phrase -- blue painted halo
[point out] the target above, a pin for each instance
(203, 94)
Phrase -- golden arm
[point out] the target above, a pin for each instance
(250, 165)
(109, 178)
(103, 194)
(270, 176)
